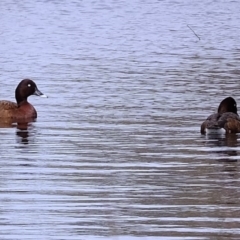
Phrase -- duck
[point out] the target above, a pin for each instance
(22, 109)
(226, 120)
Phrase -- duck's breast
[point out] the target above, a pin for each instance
(26, 110)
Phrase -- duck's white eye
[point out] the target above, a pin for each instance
(29, 85)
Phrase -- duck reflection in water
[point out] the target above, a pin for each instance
(224, 144)
(24, 130)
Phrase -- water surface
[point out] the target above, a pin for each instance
(116, 151)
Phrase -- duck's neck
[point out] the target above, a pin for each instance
(222, 109)
(20, 103)
(20, 99)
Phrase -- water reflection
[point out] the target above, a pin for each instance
(23, 132)
(24, 129)
(116, 152)
(224, 145)
(229, 140)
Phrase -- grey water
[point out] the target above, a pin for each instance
(116, 152)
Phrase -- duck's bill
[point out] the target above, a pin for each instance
(39, 93)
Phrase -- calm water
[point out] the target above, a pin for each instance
(116, 151)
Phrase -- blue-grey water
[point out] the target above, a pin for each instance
(116, 151)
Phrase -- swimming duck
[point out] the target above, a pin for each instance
(226, 120)
(22, 109)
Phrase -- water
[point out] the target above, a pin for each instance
(116, 152)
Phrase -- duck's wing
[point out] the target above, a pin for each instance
(7, 105)
(6, 108)
(210, 122)
(230, 122)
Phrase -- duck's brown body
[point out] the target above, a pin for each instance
(11, 110)
(226, 118)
